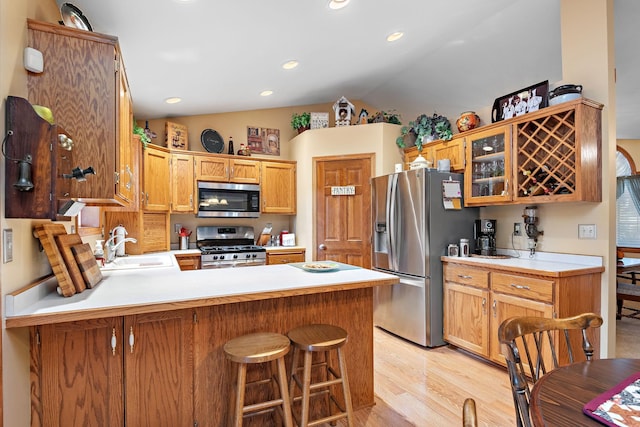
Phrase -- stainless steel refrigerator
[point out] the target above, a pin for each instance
(411, 232)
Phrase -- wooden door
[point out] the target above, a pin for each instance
(209, 168)
(159, 369)
(466, 321)
(182, 183)
(278, 187)
(244, 171)
(505, 306)
(80, 374)
(343, 222)
(156, 179)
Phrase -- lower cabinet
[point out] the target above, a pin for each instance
(188, 261)
(133, 370)
(285, 256)
(478, 299)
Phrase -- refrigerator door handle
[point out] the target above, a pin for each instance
(391, 221)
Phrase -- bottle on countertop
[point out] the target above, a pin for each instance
(231, 145)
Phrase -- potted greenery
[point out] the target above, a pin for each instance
(144, 138)
(301, 122)
(426, 128)
(390, 116)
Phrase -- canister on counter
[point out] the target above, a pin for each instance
(452, 250)
(464, 247)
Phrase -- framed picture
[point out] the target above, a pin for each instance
(520, 102)
(177, 137)
(263, 140)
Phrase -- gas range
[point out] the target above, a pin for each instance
(228, 246)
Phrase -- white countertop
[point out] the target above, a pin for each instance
(166, 285)
(542, 261)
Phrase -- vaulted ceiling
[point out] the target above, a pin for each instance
(455, 55)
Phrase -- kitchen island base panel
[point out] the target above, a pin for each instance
(352, 310)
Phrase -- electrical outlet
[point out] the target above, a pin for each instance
(517, 229)
(586, 231)
(177, 227)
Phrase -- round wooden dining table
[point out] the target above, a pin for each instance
(557, 397)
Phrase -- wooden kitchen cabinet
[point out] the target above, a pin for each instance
(438, 150)
(278, 187)
(552, 155)
(127, 165)
(188, 261)
(81, 83)
(156, 195)
(221, 168)
(150, 229)
(182, 183)
(131, 370)
(285, 255)
(477, 299)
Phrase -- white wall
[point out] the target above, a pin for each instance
(376, 138)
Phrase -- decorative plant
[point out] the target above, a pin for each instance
(144, 138)
(426, 127)
(386, 117)
(301, 121)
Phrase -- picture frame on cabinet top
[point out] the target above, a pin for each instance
(525, 100)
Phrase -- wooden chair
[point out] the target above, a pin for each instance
(469, 418)
(628, 292)
(532, 345)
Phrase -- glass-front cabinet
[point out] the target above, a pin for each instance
(488, 167)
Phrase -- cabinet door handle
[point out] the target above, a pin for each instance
(114, 341)
(130, 172)
(132, 339)
(484, 306)
(494, 306)
(191, 200)
(513, 285)
(464, 276)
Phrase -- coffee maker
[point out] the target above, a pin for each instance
(484, 233)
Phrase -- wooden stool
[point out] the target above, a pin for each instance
(259, 348)
(319, 338)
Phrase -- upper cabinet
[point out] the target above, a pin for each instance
(278, 187)
(553, 155)
(439, 150)
(81, 84)
(227, 169)
(156, 193)
(182, 183)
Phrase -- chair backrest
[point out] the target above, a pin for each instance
(469, 418)
(532, 346)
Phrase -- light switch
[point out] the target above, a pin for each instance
(7, 245)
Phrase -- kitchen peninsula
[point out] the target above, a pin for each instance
(145, 345)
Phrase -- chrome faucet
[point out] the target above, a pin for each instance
(111, 247)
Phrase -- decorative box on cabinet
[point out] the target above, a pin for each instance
(34, 144)
(80, 85)
(120, 383)
(478, 299)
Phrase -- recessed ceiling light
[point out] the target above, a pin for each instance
(174, 100)
(395, 36)
(266, 93)
(338, 4)
(289, 65)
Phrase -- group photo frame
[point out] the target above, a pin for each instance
(525, 100)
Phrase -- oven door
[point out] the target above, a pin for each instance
(206, 263)
(224, 200)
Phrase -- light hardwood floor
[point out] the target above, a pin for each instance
(415, 386)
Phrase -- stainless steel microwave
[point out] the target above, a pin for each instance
(226, 200)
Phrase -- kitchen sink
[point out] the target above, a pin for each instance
(140, 261)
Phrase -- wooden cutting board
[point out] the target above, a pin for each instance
(87, 264)
(46, 233)
(65, 242)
